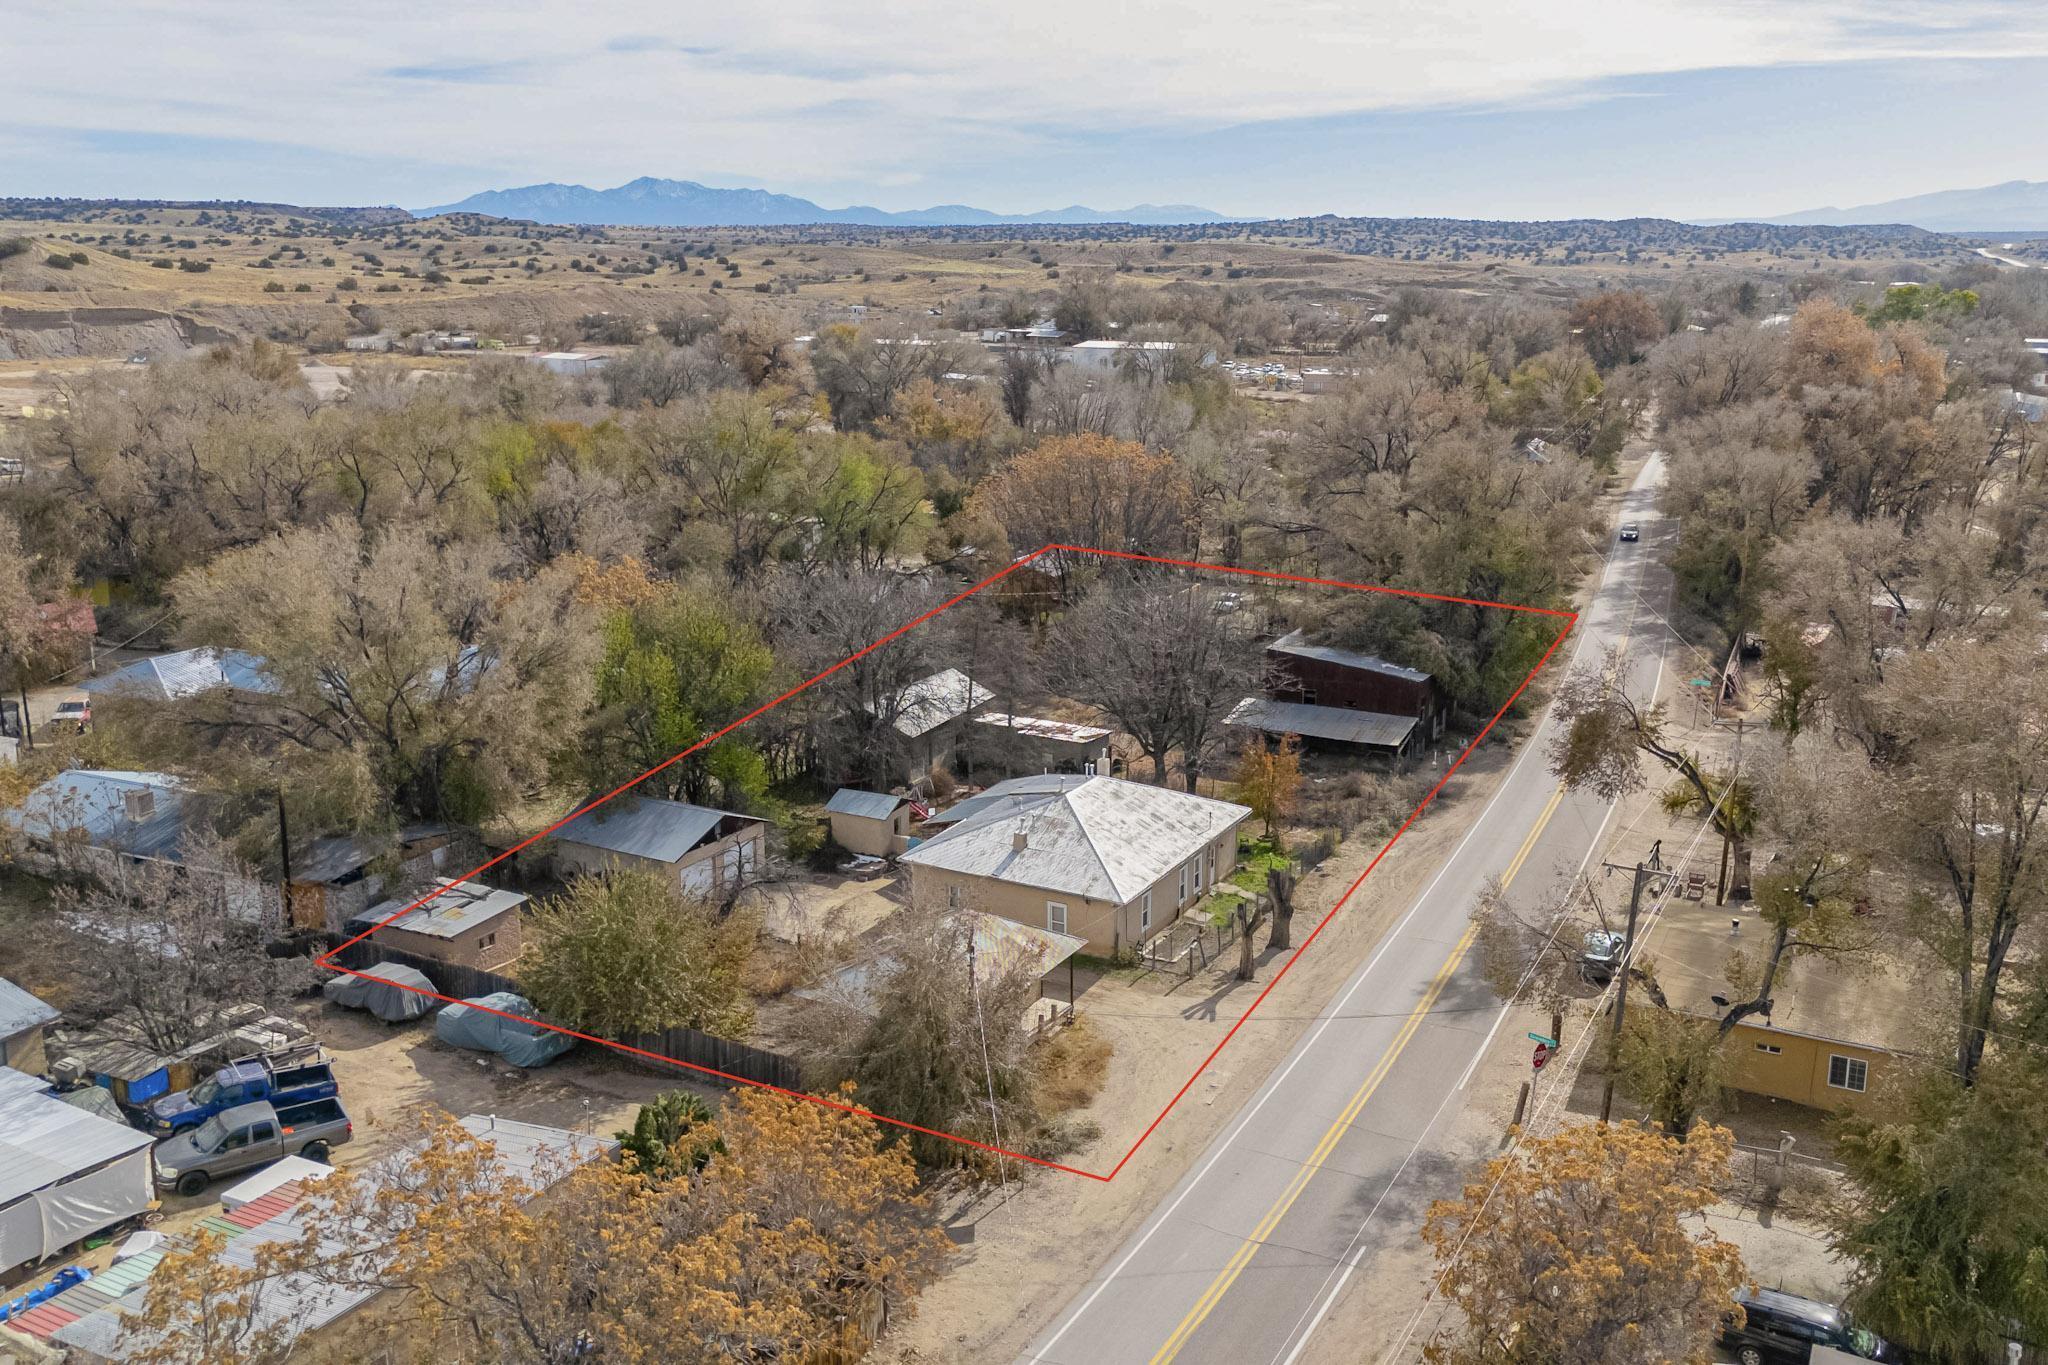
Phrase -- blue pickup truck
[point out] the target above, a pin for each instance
(282, 1083)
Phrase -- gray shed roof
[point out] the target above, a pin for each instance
(455, 908)
(44, 1140)
(1340, 724)
(20, 1011)
(1296, 643)
(94, 801)
(866, 805)
(1104, 838)
(644, 827)
(172, 677)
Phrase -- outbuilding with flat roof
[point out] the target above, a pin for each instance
(465, 924)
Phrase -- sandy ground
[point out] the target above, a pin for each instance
(391, 1074)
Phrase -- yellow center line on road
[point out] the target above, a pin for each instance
(1242, 1257)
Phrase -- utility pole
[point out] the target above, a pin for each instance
(284, 859)
(1643, 872)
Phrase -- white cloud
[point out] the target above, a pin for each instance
(830, 92)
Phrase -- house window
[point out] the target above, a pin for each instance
(1198, 874)
(1145, 913)
(1182, 896)
(1771, 1048)
(487, 940)
(1847, 1073)
(1056, 917)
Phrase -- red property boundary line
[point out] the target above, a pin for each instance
(1570, 619)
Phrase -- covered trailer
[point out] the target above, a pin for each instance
(472, 1024)
(392, 992)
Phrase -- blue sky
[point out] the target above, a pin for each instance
(1467, 108)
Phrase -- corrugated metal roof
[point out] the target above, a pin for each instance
(1105, 838)
(535, 1154)
(95, 801)
(20, 1011)
(1016, 794)
(643, 826)
(44, 1140)
(336, 856)
(1296, 643)
(1337, 723)
(928, 703)
(172, 677)
(456, 907)
(866, 805)
(1038, 727)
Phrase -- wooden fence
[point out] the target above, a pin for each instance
(686, 1045)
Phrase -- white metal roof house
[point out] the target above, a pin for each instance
(64, 1173)
(1110, 861)
(931, 714)
(705, 852)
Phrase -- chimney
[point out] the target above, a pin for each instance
(1018, 841)
(138, 803)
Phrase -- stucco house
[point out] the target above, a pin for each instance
(1836, 1036)
(704, 852)
(1109, 861)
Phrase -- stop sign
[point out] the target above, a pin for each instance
(1541, 1056)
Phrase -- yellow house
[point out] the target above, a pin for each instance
(1105, 860)
(1836, 1037)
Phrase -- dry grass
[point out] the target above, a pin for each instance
(1071, 1068)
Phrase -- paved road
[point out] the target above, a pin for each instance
(1330, 1161)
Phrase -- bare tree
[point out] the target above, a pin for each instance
(1154, 653)
(176, 943)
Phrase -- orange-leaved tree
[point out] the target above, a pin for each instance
(1578, 1248)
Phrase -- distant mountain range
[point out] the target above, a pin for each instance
(651, 202)
(2015, 206)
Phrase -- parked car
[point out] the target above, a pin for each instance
(283, 1082)
(1784, 1329)
(1600, 954)
(247, 1136)
(1631, 531)
(73, 713)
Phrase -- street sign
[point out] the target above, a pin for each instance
(1542, 1055)
(1539, 1038)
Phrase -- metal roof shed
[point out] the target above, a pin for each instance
(64, 1173)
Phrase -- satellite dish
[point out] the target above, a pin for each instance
(1720, 1000)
